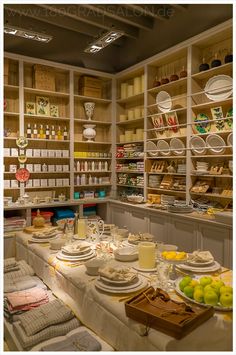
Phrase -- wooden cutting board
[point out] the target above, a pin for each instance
(33, 229)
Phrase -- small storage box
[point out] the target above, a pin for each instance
(44, 78)
(90, 82)
(92, 92)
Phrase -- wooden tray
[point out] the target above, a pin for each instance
(156, 310)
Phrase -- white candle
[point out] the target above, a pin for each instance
(142, 83)
(137, 85)
(130, 114)
(123, 118)
(130, 90)
(137, 112)
(82, 228)
(123, 90)
(146, 255)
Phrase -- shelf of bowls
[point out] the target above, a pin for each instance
(211, 141)
(130, 136)
(166, 132)
(22, 178)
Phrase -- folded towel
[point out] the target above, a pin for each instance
(201, 256)
(117, 273)
(82, 341)
(26, 297)
(25, 269)
(52, 313)
(10, 262)
(23, 283)
(47, 333)
(11, 268)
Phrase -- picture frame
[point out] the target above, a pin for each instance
(30, 108)
(54, 111)
(43, 106)
(217, 113)
(172, 120)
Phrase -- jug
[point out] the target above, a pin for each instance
(93, 232)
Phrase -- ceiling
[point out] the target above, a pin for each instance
(148, 29)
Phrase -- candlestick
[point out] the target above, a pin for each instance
(146, 255)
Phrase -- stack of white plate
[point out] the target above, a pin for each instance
(45, 237)
(154, 180)
(76, 252)
(167, 199)
(121, 286)
(200, 267)
(180, 209)
(202, 167)
(181, 169)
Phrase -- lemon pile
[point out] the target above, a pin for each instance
(208, 291)
(174, 255)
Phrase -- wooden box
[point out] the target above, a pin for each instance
(155, 309)
(92, 92)
(90, 82)
(44, 78)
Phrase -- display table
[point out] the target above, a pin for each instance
(105, 314)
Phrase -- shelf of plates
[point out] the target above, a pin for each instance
(130, 90)
(212, 118)
(45, 104)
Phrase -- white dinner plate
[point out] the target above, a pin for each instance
(137, 283)
(217, 308)
(197, 145)
(42, 240)
(117, 282)
(136, 267)
(151, 146)
(64, 257)
(163, 100)
(230, 141)
(219, 87)
(214, 143)
(116, 290)
(214, 267)
(200, 264)
(178, 146)
(163, 147)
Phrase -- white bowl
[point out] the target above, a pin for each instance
(215, 144)
(126, 254)
(164, 102)
(123, 232)
(178, 146)
(93, 266)
(168, 247)
(198, 145)
(163, 147)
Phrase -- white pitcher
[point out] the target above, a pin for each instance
(93, 232)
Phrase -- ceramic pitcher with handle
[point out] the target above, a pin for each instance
(95, 229)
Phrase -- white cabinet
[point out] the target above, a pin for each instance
(9, 247)
(137, 222)
(119, 216)
(183, 233)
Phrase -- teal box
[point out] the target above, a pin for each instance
(76, 195)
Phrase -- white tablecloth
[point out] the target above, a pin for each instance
(105, 315)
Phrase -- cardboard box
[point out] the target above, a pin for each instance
(7, 184)
(14, 152)
(51, 182)
(36, 182)
(66, 182)
(65, 153)
(59, 182)
(88, 194)
(51, 168)
(65, 168)
(29, 167)
(14, 184)
(58, 153)
(7, 152)
(51, 153)
(44, 153)
(37, 153)
(44, 78)
(37, 168)
(58, 168)
(91, 92)
(29, 152)
(44, 182)
(29, 183)
(90, 81)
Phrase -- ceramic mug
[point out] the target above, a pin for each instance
(93, 229)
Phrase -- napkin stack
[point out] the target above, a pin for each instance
(118, 273)
(201, 256)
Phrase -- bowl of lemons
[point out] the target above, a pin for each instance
(174, 257)
(206, 291)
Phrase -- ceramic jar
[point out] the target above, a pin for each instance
(89, 132)
(89, 109)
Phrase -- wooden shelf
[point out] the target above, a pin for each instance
(162, 113)
(177, 174)
(85, 142)
(129, 142)
(136, 187)
(167, 138)
(94, 172)
(215, 176)
(46, 92)
(131, 98)
(11, 87)
(48, 140)
(135, 158)
(11, 188)
(78, 120)
(212, 103)
(50, 172)
(218, 132)
(91, 158)
(93, 185)
(10, 138)
(223, 69)
(212, 156)
(168, 157)
(207, 194)
(48, 118)
(11, 113)
(129, 172)
(166, 190)
(170, 85)
(94, 99)
(130, 122)
(46, 187)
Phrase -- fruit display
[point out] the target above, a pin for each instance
(174, 255)
(207, 291)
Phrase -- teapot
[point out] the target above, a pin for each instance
(93, 229)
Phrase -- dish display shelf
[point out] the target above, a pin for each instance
(212, 120)
(130, 114)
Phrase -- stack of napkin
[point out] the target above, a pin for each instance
(118, 273)
(201, 256)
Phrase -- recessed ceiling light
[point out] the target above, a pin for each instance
(104, 41)
(20, 32)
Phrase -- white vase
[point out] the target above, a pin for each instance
(89, 109)
(89, 132)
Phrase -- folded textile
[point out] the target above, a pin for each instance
(10, 262)
(52, 313)
(26, 297)
(22, 283)
(25, 269)
(82, 341)
(117, 273)
(11, 268)
(47, 333)
(201, 256)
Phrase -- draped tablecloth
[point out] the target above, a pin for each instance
(105, 314)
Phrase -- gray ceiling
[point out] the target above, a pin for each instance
(148, 29)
